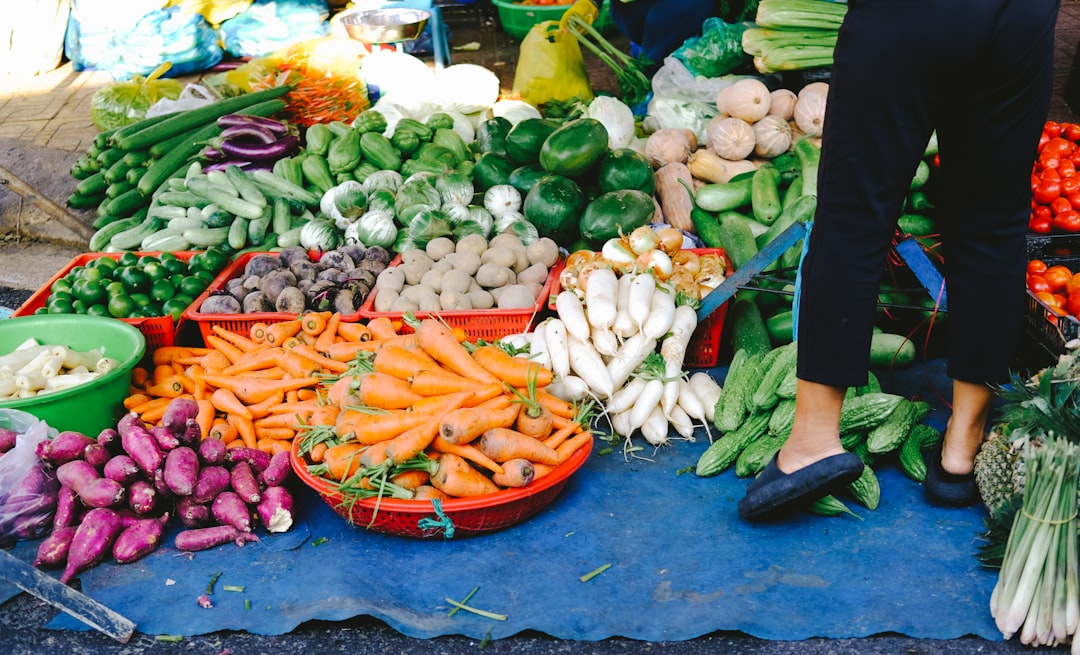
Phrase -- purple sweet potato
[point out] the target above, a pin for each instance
(276, 509)
(203, 538)
(212, 481)
(143, 497)
(129, 421)
(177, 413)
(7, 439)
(110, 439)
(159, 483)
(192, 434)
(166, 440)
(181, 470)
(128, 518)
(192, 514)
(122, 468)
(212, 451)
(76, 474)
(229, 508)
(52, 551)
(67, 508)
(258, 459)
(139, 540)
(97, 455)
(278, 470)
(141, 446)
(243, 482)
(31, 515)
(92, 489)
(93, 540)
(64, 447)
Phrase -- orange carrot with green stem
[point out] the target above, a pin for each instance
(515, 371)
(439, 382)
(251, 390)
(455, 477)
(467, 452)
(370, 427)
(414, 441)
(502, 444)
(467, 423)
(386, 391)
(403, 362)
(438, 341)
(329, 335)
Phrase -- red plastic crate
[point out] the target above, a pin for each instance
(237, 323)
(158, 330)
(487, 324)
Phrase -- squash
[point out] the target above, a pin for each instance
(772, 137)
(747, 99)
(809, 112)
(670, 144)
(709, 167)
(675, 201)
(730, 137)
(782, 103)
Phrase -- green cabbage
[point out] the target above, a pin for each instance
(320, 234)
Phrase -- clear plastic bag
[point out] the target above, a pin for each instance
(674, 80)
(28, 488)
(192, 97)
(128, 101)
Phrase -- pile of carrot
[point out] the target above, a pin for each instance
(255, 390)
(434, 416)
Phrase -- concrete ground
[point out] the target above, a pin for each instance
(45, 126)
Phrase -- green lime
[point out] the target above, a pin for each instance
(134, 279)
(90, 292)
(63, 284)
(41, 310)
(78, 307)
(211, 259)
(97, 309)
(192, 285)
(155, 271)
(106, 264)
(168, 256)
(128, 259)
(146, 260)
(65, 296)
(92, 274)
(138, 313)
(153, 309)
(141, 299)
(76, 272)
(121, 306)
(60, 306)
(206, 276)
(162, 290)
(176, 279)
(114, 288)
(175, 307)
(173, 265)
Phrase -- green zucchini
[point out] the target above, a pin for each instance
(736, 238)
(765, 195)
(100, 239)
(809, 158)
(724, 196)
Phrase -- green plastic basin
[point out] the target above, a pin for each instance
(88, 408)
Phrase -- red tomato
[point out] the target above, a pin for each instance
(1072, 287)
(1052, 301)
(1066, 221)
(1057, 147)
(1042, 211)
(1052, 129)
(1057, 277)
(1047, 190)
(1038, 284)
(1036, 267)
(1074, 199)
(1060, 204)
(1040, 225)
(1070, 184)
(1071, 131)
(1066, 167)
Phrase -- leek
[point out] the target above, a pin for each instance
(814, 14)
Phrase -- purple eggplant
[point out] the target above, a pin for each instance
(274, 125)
(282, 147)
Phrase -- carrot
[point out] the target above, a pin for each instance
(467, 452)
(155, 413)
(438, 341)
(428, 492)
(226, 402)
(170, 387)
(244, 427)
(455, 477)
(571, 445)
(257, 333)
(373, 427)
(273, 446)
(343, 391)
(264, 433)
(205, 416)
(534, 420)
(238, 340)
(282, 420)
(160, 373)
(272, 373)
(329, 333)
(559, 422)
(386, 392)
(345, 351)
(222, 429)
(215, 360)
(261, 356)
(517, 371)
(381, 327)
(324, 415)
(314, 323)
(276, 333)
(554, 404)
(295, 364)
(556, 438)
(540, 470)
(306, 393)
(410, 479)
(325, 362)
(439, 382)
(414, 441)
(317, 452)
(502, 444)
(402, 362)
(251, 390)
(135, 399)
(467, 423)
(353, 331)
(151, 404)
(293, 406)
(165, 354)
(374, 454)
(139, 376)
(516, 473)
(262, 408)
(343, 460)
(231, 352)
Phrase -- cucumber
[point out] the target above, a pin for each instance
(765, 195)
(724, 196)
(801, 210)
(132, 238)
(100, 239)
(737, 240)
(207, 237)
(889, 350)
(747, 328)
(781, 327)
(916, 225)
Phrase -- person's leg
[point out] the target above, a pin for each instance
(817, 415)
(967, 426)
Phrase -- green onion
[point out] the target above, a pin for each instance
(592, 574)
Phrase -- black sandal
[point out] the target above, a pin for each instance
(774, 491)
(948, 489)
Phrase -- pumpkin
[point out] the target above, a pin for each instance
(782, 103)
(670, 144)
(809, 112)
(772, 137)
(747, 99)
(731, 138)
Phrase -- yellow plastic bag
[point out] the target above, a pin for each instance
(550, 67)
(214, 11)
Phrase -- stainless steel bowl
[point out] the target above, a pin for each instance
(385, 25)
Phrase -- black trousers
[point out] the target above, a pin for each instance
(980, 73)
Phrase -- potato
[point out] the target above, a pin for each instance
(456, 280)
(491, 276)
(543, 251)
(442, 266)
(416, 292)
(480, 299)
(451, 300)
(391, 279)
(429, 303)
(501, 256)
(439, 247)
(535, 289)
(468, 262)
(522, 260)
(415, 255)
(415, 270)
(291, 300)
(385, 299)
(402, 305)
(516, 296)
(472, 243)
(505, 240)
(536, 273)
(433, 280)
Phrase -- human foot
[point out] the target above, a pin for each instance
(774, 492)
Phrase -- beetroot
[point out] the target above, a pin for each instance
(177, 414)
(212, 481)
(53, 550)
(7, 439)
(92, 540)
(229, 509)
(258, 459)
(64, 447)
(278, 470)
(212, 451)
(142, 447)
(142, 497)
(181, 470)
(67, 508)
(166, 440)
(110, 439)
(122, 468)
(97, 455)
(203, 538)
(192, 514)
(243, 482)
(139, 540)
(276, 509)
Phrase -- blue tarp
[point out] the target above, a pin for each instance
(682, 565)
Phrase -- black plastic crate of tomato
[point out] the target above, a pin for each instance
(1053, 246)
(1054, 328)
